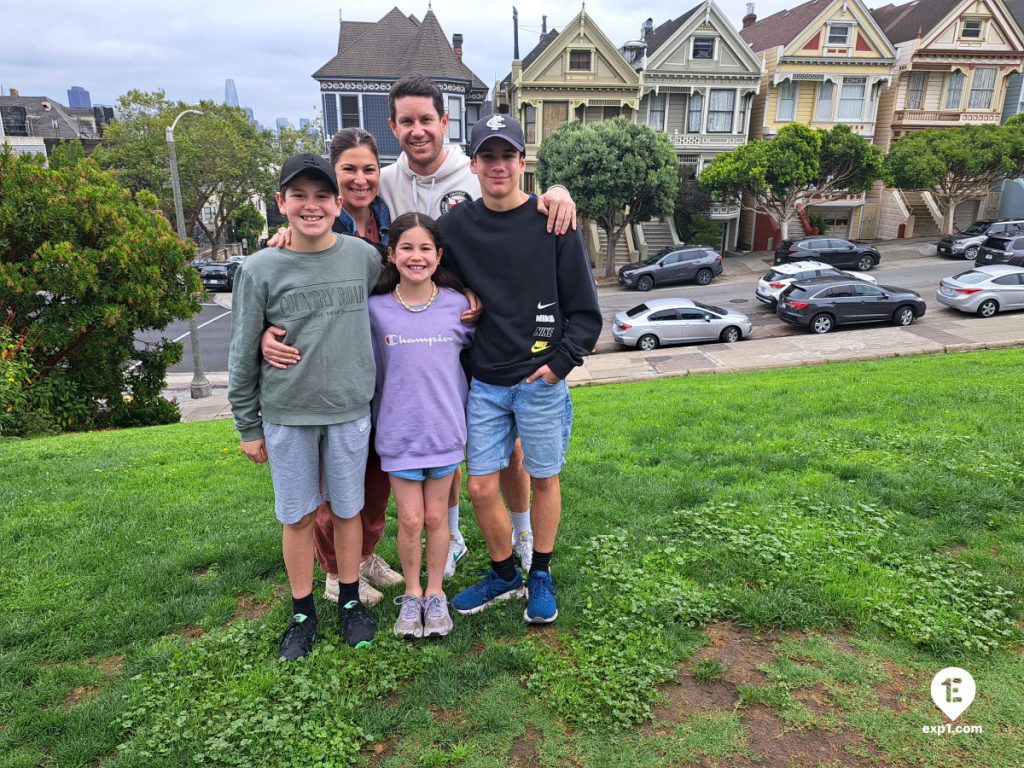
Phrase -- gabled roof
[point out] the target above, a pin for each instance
(661, 34)
(905, 22)
(393, 47)
(546, 39)
(47, 118)
(780, 28)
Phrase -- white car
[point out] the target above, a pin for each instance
(984, 290)
(657, 322)
(778, 278)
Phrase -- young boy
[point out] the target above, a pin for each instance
(541, 317)
(314, 419)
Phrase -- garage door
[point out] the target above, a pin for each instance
(966, 214)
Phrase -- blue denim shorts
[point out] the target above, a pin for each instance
(540, 414)
(419, 475)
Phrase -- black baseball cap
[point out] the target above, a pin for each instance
(311, 164)
(497, 126)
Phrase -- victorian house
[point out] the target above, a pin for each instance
(575, 74)
(826, 62)
(955, 60)
(371, 56)
(699, 82)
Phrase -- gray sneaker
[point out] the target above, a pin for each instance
(437, 622)
(522, 548)
(410, 617)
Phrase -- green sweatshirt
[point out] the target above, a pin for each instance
(320, 300)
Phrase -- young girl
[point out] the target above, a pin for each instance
(419, 408)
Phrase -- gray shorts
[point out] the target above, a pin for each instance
(298, 456)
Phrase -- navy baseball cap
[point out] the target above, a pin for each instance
(308, 163)
(497, 126)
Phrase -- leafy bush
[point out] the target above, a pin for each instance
(85, 266)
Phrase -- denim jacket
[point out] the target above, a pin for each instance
(380, 212)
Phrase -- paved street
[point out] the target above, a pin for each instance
(773, 343)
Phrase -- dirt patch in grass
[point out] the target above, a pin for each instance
(524, 750)
(248, 607)
(109, 666)
(771, 741)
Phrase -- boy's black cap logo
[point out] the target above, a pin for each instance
(497, 126)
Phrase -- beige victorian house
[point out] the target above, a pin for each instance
(575, 74)
(954, 61)
(826, 62)
(699, 81)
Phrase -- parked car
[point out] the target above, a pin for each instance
(822, 303)
(985, 290)
(1002, 249)
(673, 265)
(219, 275)
(656, 322)
(830, 250)
(199, 262)
(967, 243)
(777, 278)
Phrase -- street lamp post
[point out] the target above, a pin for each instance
(200, 386)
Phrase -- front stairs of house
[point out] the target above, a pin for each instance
(622, 255)
(924, 224)
(657, 235)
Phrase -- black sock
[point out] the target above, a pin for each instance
(304, 605)
(541, 561)
(506, 569)
(348, 592)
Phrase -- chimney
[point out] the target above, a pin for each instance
(751, 17)
(13, 92)
(544, 24)
(646, 28)
(457, 45)
(515, 33)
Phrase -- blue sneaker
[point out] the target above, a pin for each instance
(541, 607)
(490, 588)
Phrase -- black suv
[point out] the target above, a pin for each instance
(823, 303)
(831, 250)
(1002, 249)
(967, 243)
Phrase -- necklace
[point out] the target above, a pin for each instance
(418, 307)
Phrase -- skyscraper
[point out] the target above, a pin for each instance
(230, 94)
(78, 98)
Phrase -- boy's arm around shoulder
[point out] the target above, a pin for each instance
(577, 299)
(248, 319)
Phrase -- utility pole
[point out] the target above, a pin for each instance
(200, 386)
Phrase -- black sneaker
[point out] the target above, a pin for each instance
(298, 638)
(357, 626)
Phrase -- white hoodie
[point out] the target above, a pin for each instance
(408, 192)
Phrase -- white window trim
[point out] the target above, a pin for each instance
(449, 98)
(568, 58)
(359, 100)
(664, 110)
(778, 101)
(850, 27)
(981, 32)
(714, 47)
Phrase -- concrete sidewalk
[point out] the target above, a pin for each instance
(874, 342)
(879, 341)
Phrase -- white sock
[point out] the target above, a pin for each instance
(520, 521)
(453, 522)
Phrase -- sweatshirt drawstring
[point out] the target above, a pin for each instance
(416, 194)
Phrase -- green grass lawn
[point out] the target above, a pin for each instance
(753, 569)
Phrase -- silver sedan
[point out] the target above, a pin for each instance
(656, 322)
(985, 290)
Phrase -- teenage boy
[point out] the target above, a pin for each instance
(312, 421)
(541, 318)
(432, 177)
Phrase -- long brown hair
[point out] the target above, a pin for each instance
(389, 276)
(347, 138)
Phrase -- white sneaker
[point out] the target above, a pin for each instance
(522, 548)
(376, 571)
(367, 594)
(457, 550)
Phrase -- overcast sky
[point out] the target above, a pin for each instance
(270, 49)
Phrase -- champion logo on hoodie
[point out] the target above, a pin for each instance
(453, 198)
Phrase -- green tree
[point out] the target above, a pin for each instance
(248, 224)
(799, 166)
(956, 164)
(223, 160)
(83, 266)
(294, 141)
(620, 173)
